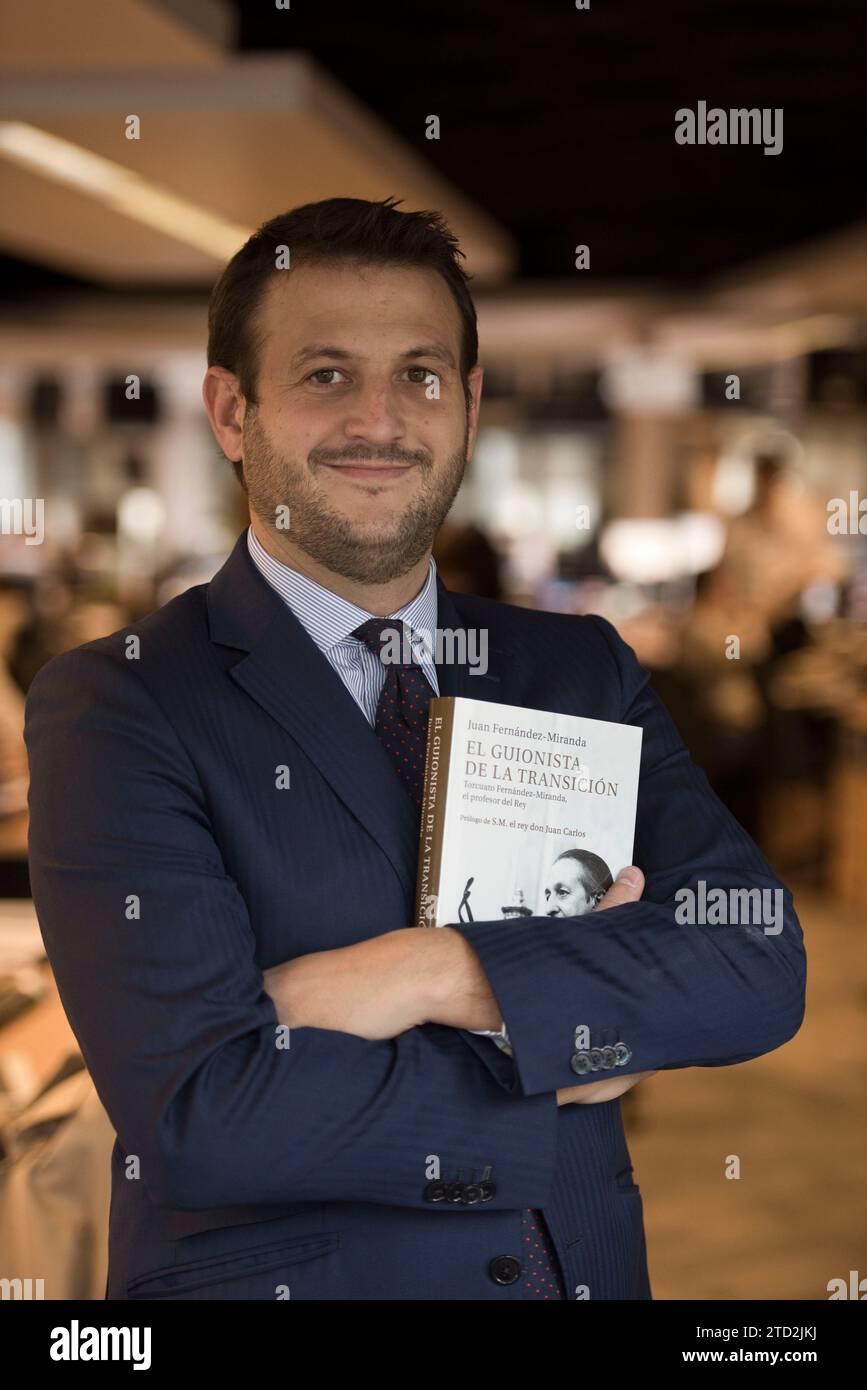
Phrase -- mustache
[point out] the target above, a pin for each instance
(386, 454)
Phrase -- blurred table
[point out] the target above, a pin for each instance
(848, 809)
(13, 836)
(33, 1045)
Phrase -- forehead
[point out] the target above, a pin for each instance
(565, 869)
(359, 306)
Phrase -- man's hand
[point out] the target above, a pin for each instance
(597, 1091)
(458, 990)
(461, 996)
(375, 989)
(627, 888)
(381, 987)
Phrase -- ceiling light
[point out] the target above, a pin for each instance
(121, 189)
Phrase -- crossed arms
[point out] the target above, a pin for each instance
(177, 1027)
(403, 979)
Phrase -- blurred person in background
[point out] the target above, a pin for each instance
(14, 614)
(779, 546)
(723, 639)
(467, 561)
(41, 635)
(745, 622)
(15, 608)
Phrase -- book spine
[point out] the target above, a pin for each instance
(437, 763)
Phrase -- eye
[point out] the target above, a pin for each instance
(426, 374)
(323, 371)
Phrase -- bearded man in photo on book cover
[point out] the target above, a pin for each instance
(307, 1089)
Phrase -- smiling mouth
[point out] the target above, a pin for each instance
(371, 470)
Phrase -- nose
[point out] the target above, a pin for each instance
(374, 417)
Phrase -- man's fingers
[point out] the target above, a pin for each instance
(600, 1091)
(594, 1092)
(626, 888)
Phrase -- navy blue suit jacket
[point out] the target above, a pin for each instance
(169, 871)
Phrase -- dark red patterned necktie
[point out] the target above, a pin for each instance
(402, 710)
(401, 726)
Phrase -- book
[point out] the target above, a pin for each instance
(526, 813)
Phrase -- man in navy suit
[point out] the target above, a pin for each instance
(224, 841)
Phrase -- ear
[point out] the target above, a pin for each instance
(226, 409)
(474, 384)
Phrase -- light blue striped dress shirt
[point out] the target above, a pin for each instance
(330, 619)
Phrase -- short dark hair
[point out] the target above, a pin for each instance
(596, 875)
(336, 229)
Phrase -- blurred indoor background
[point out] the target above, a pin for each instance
(673, 435)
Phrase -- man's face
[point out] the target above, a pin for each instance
(563, 892)
(362, 428)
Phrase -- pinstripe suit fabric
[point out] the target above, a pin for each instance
(218, 804)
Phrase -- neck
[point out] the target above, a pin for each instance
(379, 599)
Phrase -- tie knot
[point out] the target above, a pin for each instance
(386, 637)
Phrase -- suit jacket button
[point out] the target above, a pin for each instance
(505, 1269)
(455, 1192)
(488, 1190)
(580, 1063)
(595, 1059)
(609, 1058)
(472, 1194)
(435, 1192)
(622, 1053)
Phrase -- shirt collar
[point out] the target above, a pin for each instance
(328, 618)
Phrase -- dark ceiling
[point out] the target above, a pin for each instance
(560, 122)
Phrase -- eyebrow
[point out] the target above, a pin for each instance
(313, 350)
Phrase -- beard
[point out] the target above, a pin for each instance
(273, 480)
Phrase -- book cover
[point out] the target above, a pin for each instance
(526, 813)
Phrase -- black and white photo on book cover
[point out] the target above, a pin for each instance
(539, 812)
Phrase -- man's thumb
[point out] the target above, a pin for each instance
(626, 888)
(631, 876)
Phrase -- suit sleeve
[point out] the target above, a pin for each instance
(154, 956)
(675, 995)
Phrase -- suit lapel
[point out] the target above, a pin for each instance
(456, 679)
(282, 669)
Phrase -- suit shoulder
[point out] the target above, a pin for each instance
(510, 619)
(160, 636)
